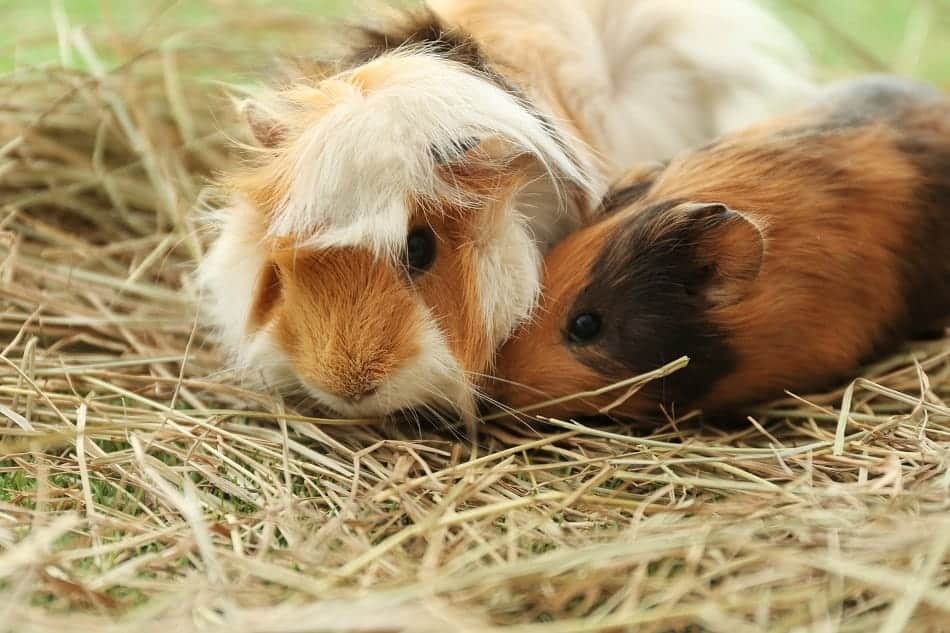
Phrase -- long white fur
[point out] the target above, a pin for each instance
(356, 166)
(228, 276)
(509, 274)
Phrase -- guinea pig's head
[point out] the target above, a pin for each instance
(377, 249)
(625, 296)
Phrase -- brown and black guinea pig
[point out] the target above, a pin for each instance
(778, 258)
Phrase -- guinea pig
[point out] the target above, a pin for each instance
(385, 235)
(778, 258)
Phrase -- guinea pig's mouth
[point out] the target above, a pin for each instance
(421, 416)
(367, 406)
(407, 393)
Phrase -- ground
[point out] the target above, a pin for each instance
(141, 489)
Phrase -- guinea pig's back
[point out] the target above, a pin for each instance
(854, 199)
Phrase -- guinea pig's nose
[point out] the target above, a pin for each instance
(361, 392)
(361, 379)
(358, 390)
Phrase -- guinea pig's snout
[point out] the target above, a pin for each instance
(361, 379)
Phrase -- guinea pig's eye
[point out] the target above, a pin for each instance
(583, 328)
(420, 249)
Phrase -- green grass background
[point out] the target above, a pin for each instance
(907, 36)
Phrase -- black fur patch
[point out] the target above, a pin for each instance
(648, 294)
(875, 98)
(617, 199)
(853, 104)
(927, 261)
(421, 28)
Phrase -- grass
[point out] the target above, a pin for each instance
(142, 490)
(904, 36)
(30, 43)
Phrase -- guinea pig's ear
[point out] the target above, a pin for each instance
(284, 253)
(266, 295)
(266, 131)
(270, 281)
(728, 246)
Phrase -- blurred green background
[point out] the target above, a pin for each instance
(907, 36)
(910, 37)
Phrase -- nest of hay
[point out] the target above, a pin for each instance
(142, 489)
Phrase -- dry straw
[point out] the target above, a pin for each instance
(142, 490)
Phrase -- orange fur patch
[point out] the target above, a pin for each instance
(345, 320)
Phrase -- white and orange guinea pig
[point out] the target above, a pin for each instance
(386, 234)
(778, 258)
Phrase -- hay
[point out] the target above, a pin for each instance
(143, 490)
